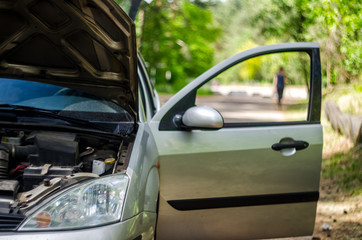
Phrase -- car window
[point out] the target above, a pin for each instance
(268, 88)
(65, 101)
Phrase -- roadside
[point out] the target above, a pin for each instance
(340, 202)
(338, 212)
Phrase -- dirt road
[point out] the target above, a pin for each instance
(245, 108)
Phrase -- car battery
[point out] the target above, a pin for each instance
(34, 175)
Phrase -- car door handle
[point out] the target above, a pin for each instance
(298, 145)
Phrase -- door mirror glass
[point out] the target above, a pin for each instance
(202, 117)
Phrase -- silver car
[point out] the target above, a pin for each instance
(86, 151)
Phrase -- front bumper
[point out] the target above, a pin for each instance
(142, 225)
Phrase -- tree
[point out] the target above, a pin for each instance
(338, 29)
(176, 40)
(335, 24)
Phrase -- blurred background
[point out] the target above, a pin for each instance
(180, 39)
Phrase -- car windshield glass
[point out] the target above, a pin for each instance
(64, 101)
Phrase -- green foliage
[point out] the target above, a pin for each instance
(285, 19)
(180, 39)
(341, 23)
(234, 18)
(250, 69)
(177, 41)
(262, 69)
(335, 24)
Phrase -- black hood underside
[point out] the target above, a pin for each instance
(88, 45)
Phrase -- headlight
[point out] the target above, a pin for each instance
(93, 203)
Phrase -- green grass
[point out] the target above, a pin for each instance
(345, 170)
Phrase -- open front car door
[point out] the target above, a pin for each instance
(249, 170)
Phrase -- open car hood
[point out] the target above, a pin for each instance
(88, 45)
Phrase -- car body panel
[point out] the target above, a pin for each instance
(236, 223)
(233, 173)
(140, 226)
(85, 45)
(144, 181)
(217, 167)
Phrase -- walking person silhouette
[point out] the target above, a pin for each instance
(279, 83)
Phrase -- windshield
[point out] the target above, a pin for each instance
(64, 101)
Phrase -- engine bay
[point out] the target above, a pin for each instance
(35, 164)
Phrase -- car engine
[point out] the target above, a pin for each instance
(35, 164)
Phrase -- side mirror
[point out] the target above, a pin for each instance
(201, 117)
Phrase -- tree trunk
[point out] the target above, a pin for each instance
(347, 124)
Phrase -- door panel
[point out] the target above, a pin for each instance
(230, 183)
(256, 222)
(244, 185)
(238, 162)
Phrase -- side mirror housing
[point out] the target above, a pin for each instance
(201, 117)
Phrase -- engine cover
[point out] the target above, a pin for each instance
(34, 175)
(58, 150)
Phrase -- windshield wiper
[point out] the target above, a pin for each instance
(48, 113)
